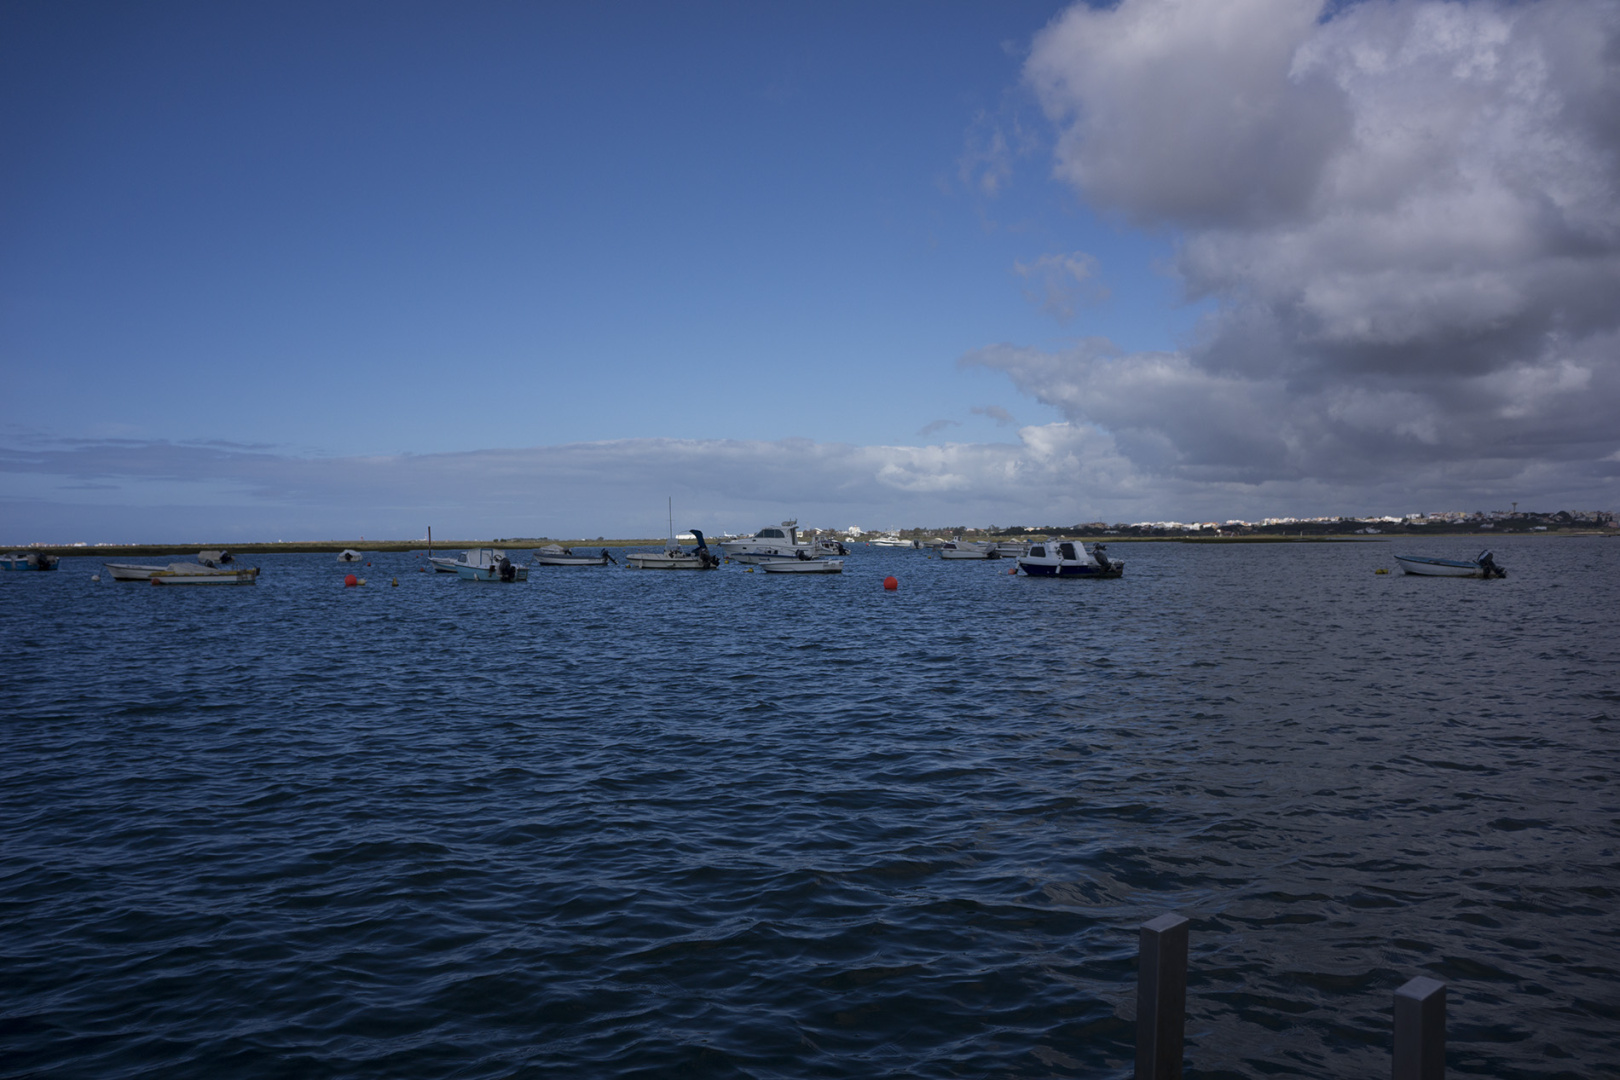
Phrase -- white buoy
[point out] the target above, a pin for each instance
(95, 577)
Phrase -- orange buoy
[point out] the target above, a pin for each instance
(1014, 570)
(350, 582)
(891, 583)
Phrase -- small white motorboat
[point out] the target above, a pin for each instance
(1069, 558)
(478, 559)
(193, 574)
(349, 555)
(503, 569)
(1481, 566)
(557, 555)
(673, 558)
(210, 564)
(891, 541)
(963, 549)
(803, 566)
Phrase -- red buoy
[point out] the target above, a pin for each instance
(891, 583)
(350, 582)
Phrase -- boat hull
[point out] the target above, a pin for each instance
(569, 560)
(246, 576)
(968, 553)
(660, 561)
(181, 574)
(804, 566)
(491, 573)
(1070, 569)
(1423, 567)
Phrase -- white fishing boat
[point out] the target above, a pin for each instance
(891, 541)
(769, 544)
(29, 560)
(1069, 558)
(674, 558)
(557, 555)
(1481, 566)
(803, 566)
(1011, 549)
(502, 569)
(197, 574)
(211, 563)
(477, 559)
(964, 549)
(349, 555)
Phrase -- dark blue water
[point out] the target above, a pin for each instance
(623, 824)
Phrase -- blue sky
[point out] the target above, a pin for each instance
(310, 271)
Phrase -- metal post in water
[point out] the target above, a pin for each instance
(1161, 998)
(1420, 1030)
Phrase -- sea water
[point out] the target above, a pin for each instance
(617, 823)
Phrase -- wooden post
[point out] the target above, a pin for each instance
(1161, 998)
(1420, 1030)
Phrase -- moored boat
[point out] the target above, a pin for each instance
(349, 555)
(187, 574)
(478, 558)
(502, 569)
(557, 555)
(805, 565)
(1069, 558)
(1481, 566)
(674, 558)
(29, 560)
(770, 543)
(966, 549)
(211, 564)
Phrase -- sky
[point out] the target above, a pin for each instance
(310, 271)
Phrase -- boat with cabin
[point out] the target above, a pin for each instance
(502, 569)
(477, 559)
(768, 544)
(1070, 558)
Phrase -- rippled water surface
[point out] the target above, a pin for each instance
(612, 823)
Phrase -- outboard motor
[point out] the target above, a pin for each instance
(705, 556)
(1100, 553)
(609, 558)
(1487, 563)
(506, 570)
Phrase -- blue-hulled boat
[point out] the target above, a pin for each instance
(28, 560)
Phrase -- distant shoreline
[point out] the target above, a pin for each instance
(317, 547)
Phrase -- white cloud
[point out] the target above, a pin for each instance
(1407, 215)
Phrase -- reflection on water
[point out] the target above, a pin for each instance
(625, 824)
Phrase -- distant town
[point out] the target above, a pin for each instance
(1455, 521)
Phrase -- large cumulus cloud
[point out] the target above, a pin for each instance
(1406, 214)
